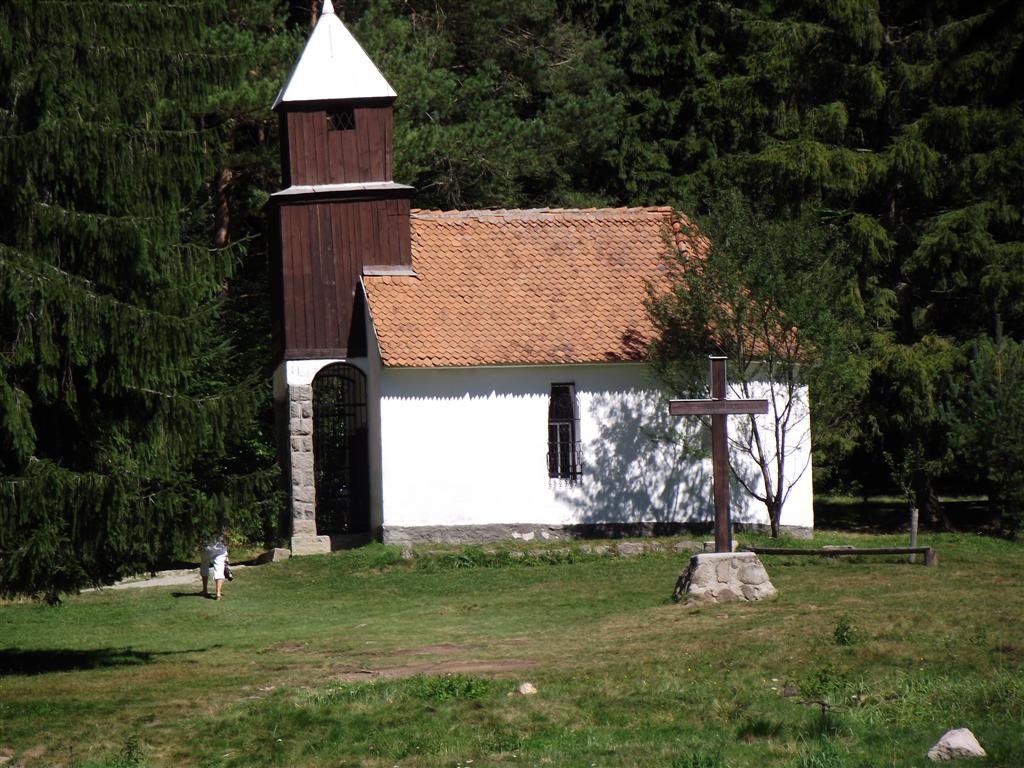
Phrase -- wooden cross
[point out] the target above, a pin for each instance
(719, 409)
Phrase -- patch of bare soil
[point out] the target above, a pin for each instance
(449, 666)
(427, 650)
(305, 646)
(290, 646)
(30, 754)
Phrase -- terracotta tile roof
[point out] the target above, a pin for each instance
(522, 287)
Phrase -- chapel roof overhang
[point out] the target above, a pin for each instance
(333, 67)
(525, 287)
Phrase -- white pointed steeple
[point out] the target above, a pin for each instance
(333, 67)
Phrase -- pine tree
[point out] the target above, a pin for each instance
(500, 102)
(120, 389)
(986, 418)
(902, 123)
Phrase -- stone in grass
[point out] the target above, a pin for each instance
(959, 742)
(720, 577)
(527, 689)
(630, 548)
(687, 546)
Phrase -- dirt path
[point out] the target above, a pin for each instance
(181, 576)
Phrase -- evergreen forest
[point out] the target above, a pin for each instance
(138, 151)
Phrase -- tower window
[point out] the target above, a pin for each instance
(341, 119)
(564, 455)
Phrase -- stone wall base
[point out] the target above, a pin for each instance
(311, 544)
(720, 577)
(480, 534)
(306, 544)
(794, 531)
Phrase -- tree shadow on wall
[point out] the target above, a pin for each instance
(648, 469)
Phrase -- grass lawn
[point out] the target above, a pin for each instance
(361, 658)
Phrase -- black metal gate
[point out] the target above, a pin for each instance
(341, 451)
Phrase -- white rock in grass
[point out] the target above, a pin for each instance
(527, 689)
(959, 742)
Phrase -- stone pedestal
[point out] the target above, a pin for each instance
(720, 577)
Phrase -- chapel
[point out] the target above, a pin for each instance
(463, 376)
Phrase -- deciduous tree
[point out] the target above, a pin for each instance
(770, 296)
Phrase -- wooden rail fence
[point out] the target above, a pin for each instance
(931, 557)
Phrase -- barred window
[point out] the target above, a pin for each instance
(564, 460)
(343, 119)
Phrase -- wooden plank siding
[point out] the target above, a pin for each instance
(324, 247)
(283, 144)
(318, 154)
(276, 277)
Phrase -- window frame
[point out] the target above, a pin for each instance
(341, 119)
(564, 456)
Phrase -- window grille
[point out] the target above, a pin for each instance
(565, 459)
(341, 119)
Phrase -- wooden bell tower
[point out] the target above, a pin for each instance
(339, 210)
(338, 215)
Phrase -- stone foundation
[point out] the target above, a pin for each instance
(310, 544)
(795, 531)
(481, 534)
(318, 545)
(720, 577)
(471, 534)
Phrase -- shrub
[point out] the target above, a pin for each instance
(845, 634)
(449, 687)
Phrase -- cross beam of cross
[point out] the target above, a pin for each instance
(719, 409)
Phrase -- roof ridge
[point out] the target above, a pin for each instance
(540, 213)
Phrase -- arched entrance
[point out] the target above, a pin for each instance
(341, 451)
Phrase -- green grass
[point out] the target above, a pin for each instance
(362, 658)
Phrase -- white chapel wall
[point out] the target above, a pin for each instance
(468, 447)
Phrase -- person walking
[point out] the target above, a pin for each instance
(215, 557)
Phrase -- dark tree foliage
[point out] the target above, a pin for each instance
(986, 415)
(125, 403)
(659, 50)
(500, 103)
(903, 123)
